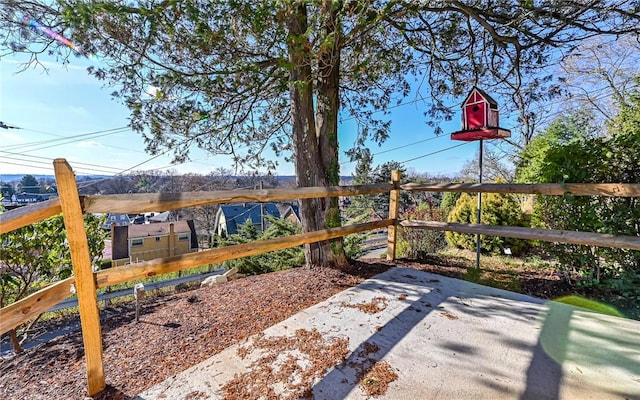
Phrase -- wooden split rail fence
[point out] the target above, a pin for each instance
(85, 281)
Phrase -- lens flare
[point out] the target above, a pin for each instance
(589, 304)
(34, 24)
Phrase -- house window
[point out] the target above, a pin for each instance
(137, 242)
(183, 236)
(157, 238)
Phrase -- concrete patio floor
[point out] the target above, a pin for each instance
(448, 339)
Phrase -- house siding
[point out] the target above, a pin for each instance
(167, 243)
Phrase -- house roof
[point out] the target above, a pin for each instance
(118, 219)
(165, 216)
(31, 197)
(237, 214)
(157, 229)
(292, 209)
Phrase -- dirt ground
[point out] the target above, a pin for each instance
(179, 330)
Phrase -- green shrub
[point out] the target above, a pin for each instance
(449, 200)
(568, 152)
(464, 212)
(497, 209)
(402, 248)
(267, 262)
(415, 243)
(353, 245)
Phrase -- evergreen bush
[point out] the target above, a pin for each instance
(267, 262)
(497, 209)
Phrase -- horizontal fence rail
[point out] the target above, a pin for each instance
(23, 216)
(553, 189)
(31, 306)
(546, 235)
(146, 202)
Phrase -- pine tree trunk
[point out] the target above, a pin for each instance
(328, 105)
(311, 145)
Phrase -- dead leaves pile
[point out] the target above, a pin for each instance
(376, 305)
(288, 366)
(376, 380)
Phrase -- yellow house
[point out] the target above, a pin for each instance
(136, 243)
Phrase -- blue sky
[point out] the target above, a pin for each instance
(66, 102)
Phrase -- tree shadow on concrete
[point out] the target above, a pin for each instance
(560, 341)
(435, 291)
(342, 379)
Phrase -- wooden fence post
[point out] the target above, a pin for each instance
(84, 276)
(394, 203)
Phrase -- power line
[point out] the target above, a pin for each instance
(541, 107)
(68, 140)
(63, 140)
(563, 100)
(389, 108)
(139, 164)
(120, 129)
(5, 126)
(50, 160)
(61, 137)
(30, 166)
(122, 172)
(432, 153)
(244, 212)
(397, 148)
(47, 165)
(76, 139)
(182, 163)
(462, 144)
(79, 169)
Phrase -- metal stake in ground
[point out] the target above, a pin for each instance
(138, 294)
(479, 207)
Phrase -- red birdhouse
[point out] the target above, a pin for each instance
(480, 118)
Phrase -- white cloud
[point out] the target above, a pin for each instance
(77, 111)
(13, 137)
(89, 143)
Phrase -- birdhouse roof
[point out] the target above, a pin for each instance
(484, 94)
